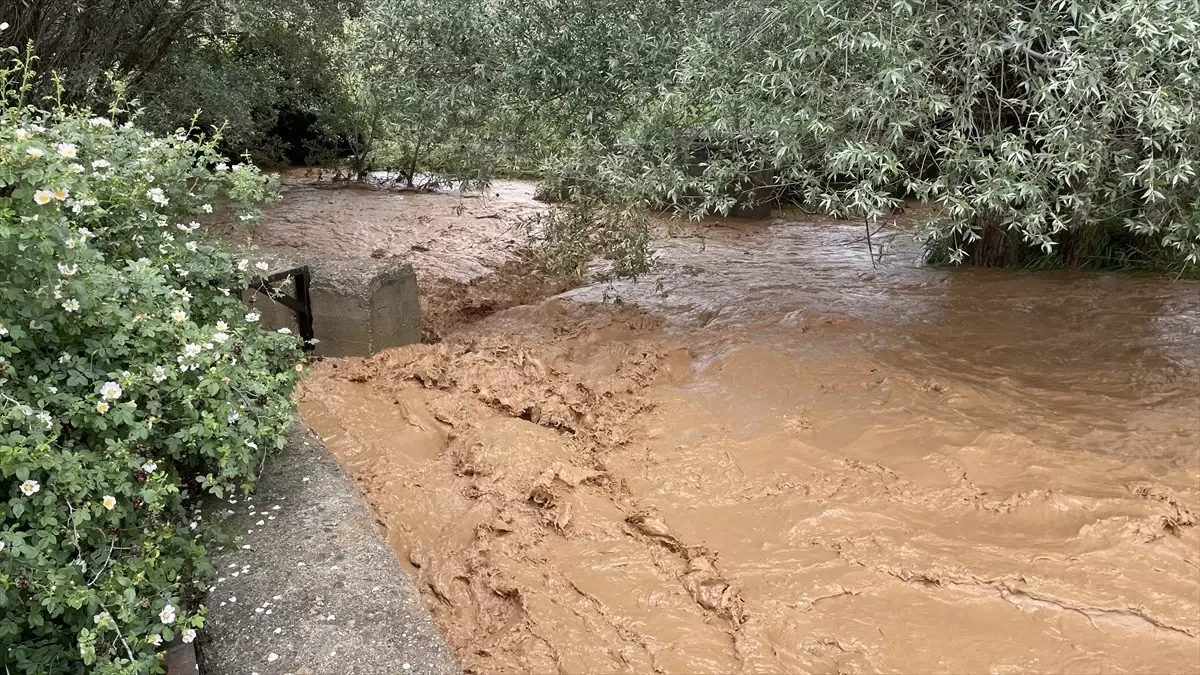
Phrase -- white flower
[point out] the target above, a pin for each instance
(189, 635)
(109, 502)
(261, 266)
(46, 419)
(192, 525)
(72, 242)
(22, 134)
(222, 167)
(29, 487)
(242, 265)
(67, 270)
(253, 316)
(102, 407)
(101, 618)
(284, 331)
(191, 350)
(178, 316)
(156, 195)
(1, 546)
(207, 208)
(220, 337)
(149, 467)
(192, 246)
(66, 150)
(53, 390)
(100, 164)
(61, 194)
(159, 375)
(233, 417)
(221, 326)
(167, 615)
(71, 305)
(155, 640)
(100, 122)
(76, 168)
(35, 152)
(3, 26)
(299, 367)
(3, 330)
(85, 232)
(110, 391)
(43, 197)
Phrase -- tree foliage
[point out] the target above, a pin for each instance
(1038, 128)
(1062, 131)
(418, 75)
(260, 69)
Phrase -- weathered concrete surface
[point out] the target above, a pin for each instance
(360, 305)
(315, 584)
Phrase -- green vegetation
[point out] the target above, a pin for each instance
(1058, 132)
(265, 71)
(133, 382)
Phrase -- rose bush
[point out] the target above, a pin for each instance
(133, 381)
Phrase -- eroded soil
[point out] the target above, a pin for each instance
(780, 457)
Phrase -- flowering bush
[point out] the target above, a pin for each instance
(132, 382)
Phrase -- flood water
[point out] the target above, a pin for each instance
(776, 456)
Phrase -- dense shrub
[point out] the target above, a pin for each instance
(264, 67)
(132, 382)
(1061, 130)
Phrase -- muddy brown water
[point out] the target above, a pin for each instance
(468, 249)
(775, 456)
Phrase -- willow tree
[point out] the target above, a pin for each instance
(1062, 131)
(419, 72)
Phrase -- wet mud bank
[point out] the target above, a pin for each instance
(779, 457)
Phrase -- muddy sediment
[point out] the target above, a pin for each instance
(445, 235)
(780, 454)
(468, 250)
(781, 457)
(449, 304)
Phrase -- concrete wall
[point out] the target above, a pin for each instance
(360, 306)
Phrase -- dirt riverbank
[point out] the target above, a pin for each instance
(779, 457)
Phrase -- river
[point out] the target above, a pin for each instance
(777, 455)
